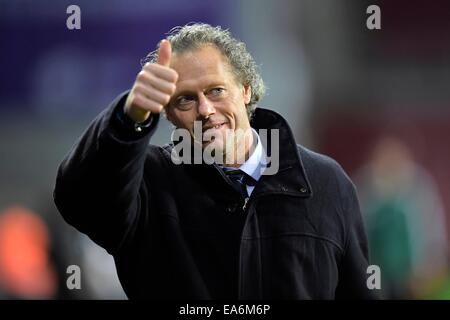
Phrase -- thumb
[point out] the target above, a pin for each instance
(164, 53)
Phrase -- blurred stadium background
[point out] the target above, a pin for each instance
(378, 101)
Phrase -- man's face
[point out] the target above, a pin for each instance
(207, 91)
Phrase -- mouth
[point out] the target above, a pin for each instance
(214, 126)
(212, 131)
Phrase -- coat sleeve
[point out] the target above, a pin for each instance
(99, 183)
(353, 266)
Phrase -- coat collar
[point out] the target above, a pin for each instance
(291, 178)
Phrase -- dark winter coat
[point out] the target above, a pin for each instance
(181, 231)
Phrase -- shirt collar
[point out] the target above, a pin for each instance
(254, 166)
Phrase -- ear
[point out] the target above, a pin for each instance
(247, 93)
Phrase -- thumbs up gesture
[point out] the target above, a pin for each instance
(154, 86)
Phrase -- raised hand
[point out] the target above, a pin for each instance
(154, 86)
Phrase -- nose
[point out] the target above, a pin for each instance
(205, 107)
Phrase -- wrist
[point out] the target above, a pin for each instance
(137, 115)
(132, 125)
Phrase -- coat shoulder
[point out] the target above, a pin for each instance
(320, 167)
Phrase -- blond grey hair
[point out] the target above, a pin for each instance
(192, 36)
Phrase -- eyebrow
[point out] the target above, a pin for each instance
(184, 93)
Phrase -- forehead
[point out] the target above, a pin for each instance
(201, 66)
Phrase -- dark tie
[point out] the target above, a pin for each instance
(240, 180)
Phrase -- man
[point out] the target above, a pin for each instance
(195, 230)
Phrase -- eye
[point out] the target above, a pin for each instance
(184, 102)
(216, 91)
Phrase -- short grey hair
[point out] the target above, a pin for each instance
(195, 35)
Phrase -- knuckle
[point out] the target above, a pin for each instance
(157, 107)
(152, 67)
(174, 75)
(142, 75)
(138, 99)
(137, 88)
(172, 88)
(166, 99)
(148, 66)
(134, 100)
